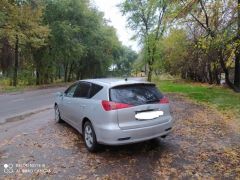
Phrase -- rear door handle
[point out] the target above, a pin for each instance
(83, 105)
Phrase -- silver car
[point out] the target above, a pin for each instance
(114, 111)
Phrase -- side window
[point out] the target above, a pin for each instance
(82, 90)
(94, 90)
(70, 91)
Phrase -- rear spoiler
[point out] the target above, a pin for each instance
(133, 84)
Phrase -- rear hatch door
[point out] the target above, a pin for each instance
(145, 107)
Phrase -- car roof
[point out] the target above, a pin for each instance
(111, 82)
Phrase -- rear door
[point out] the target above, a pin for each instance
(146, 109)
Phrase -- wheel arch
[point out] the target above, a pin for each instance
(85, 119)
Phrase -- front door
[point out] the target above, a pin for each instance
(79, 104)
(67, 102)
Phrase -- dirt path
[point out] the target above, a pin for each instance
(202, 145)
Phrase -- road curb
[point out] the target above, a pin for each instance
(23, 115)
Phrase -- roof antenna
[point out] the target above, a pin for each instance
(126, 78)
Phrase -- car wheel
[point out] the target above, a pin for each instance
(90, 137)
(57, 115)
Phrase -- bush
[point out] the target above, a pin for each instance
(26, 77)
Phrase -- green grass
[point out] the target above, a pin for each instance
(10, 89)
(222, 98)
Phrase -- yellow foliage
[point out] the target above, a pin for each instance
(24, 21)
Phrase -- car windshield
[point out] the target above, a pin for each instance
(136, 94)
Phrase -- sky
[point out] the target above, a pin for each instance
(118, 21)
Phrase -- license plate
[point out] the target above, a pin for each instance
(148, 115)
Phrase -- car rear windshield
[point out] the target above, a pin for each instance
(136, 94)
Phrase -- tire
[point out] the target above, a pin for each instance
(89, 137)
(164, 136)
(58, 118)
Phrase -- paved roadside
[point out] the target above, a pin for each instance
(26, 102)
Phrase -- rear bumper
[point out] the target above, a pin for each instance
(116, 136)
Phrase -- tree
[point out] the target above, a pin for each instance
(173, 52)
(146, 19)
(214, 22)
(64, 18)
(123, 63)
(237, 59)
(22, 26)
(51, 40)
(82, 44)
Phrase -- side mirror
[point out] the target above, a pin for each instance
(59, 94)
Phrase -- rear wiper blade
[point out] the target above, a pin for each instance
(152, 101)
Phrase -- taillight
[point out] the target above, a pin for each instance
(164, 100)
(109, 105)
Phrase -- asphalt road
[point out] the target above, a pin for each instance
(25, 102)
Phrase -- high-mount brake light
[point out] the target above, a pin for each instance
(164, 100)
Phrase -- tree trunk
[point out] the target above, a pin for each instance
(46, 78)
(59, 72)
(65, 72)
(15, 72)
(229, 83)
(145, 69)
(70, 72)
(150, 74)
(209, 73)
(217, 77)
(237, 59)
(78, 73)
(150, 70)
(37, 77)
(37, 72)
(237, 70)
(151, 62)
